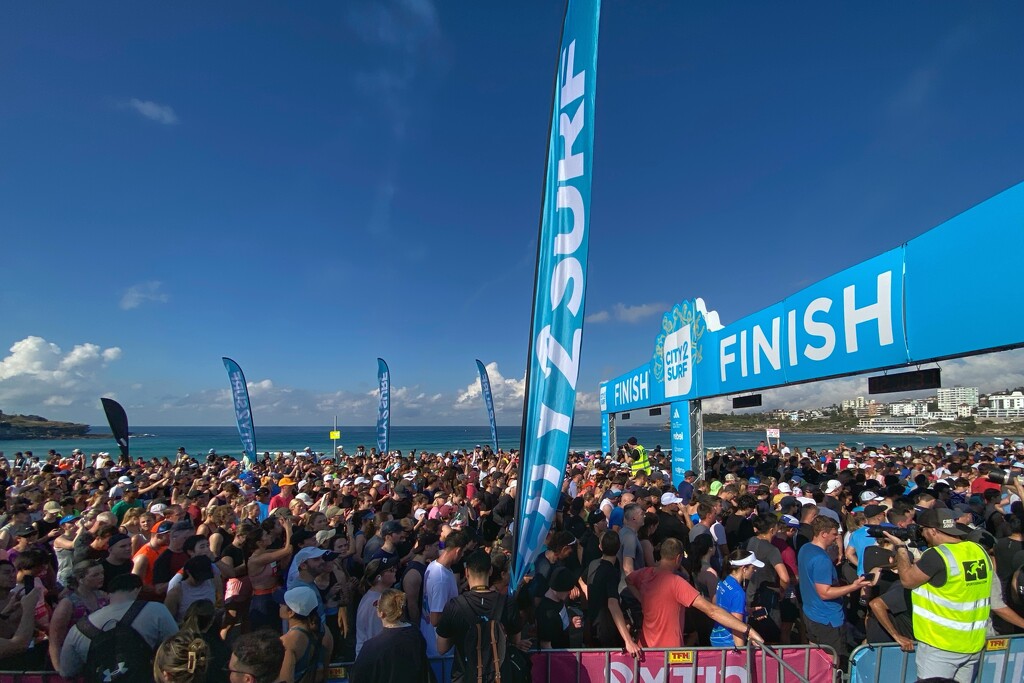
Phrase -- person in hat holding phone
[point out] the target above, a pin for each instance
(638, 460)
(950, 593)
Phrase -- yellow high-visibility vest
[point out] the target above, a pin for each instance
(954, 617)
(640, 461)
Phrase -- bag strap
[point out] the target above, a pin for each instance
(132, 612)
(88, 629)
(479, 654)
(494, 654)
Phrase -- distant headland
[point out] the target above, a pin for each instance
(22, 427)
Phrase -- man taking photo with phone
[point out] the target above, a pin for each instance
(950, 587)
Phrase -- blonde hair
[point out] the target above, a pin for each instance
(132, 516)
(182, 658)
(390, 604)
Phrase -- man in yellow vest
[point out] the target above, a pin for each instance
(638, 461)
(950, 587)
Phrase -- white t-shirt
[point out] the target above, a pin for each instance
(439, 587)
(368, 624)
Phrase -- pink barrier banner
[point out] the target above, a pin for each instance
(681, 666)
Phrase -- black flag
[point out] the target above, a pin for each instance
(118, 421)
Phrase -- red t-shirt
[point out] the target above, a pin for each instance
(981, 484)
(280, 501)
(665, 597)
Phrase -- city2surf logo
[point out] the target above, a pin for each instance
(975, 570)
(678, 363)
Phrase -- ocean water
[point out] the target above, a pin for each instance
(152, 442)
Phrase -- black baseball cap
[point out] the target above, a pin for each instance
(943, 520)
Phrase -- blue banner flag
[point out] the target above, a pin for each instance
(485, 390)
(243, 411)
(556, 332)
(384, 409)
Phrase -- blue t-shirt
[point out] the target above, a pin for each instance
(816, 566)
(731, 597)
(616, 518)
(859, 540)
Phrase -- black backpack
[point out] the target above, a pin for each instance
(118, 655)
(487, 656)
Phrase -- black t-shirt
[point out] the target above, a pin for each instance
(1006, 548)
(43, 528)
(167, 565)
(604, 585)
(897, 600)
(804, 535)
(542, 571)
(738, 530)
(576, 526)
(670, 526)
(551, 627)
(932, 564)
(235, 553)
(110, 571)
(464, 612)
(503, 510)
(377, 661)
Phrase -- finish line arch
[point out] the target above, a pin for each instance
(882, 314)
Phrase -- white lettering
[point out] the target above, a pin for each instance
(570, 198)
(819, 329)
(791, 324)
(743, 353)
(772, 351)
(571, 165)
(573, 85)
(881, 311)
(565, 271)
(723, 357)
(548, 349)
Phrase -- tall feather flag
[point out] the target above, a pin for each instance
(556, 333)
(384, 409)
(118, 421)
(243, 410)
(485, 390)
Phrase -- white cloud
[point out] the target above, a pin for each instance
(634, 314)
(138, 294)
(507, 393)
(38, 373)
(402, 24)
(154, 111)
(628, 314)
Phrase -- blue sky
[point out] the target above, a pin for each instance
(307, 187)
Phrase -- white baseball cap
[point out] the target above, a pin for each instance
(669, 498)
(833, 485)
(869, 496)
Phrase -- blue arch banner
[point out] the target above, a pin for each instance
(899, 308)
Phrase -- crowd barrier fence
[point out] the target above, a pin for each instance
(1002, 661)
(789, 664)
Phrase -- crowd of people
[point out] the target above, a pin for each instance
(188, 569)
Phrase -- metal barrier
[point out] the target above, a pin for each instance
(36, 677)
(755, 664)
(1002, 661)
